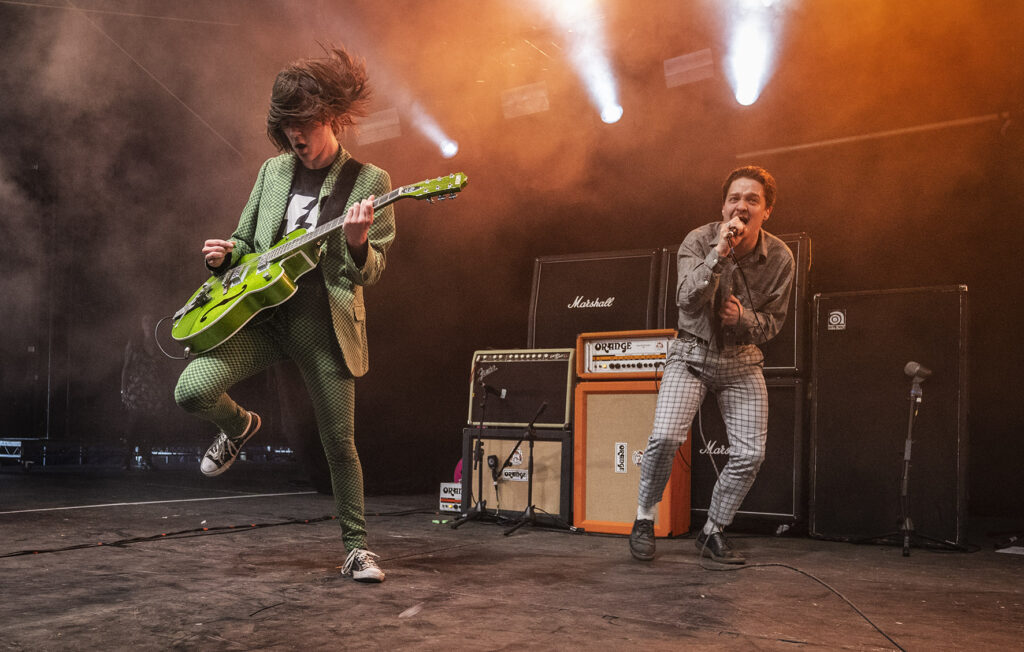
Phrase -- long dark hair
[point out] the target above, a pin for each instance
(328, 90)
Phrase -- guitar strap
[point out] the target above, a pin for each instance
(334, 205)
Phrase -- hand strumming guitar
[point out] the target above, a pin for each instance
(214, 251)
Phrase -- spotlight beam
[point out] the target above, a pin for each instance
(587, 51)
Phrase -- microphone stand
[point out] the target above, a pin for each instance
(906, 532)
(480, 509)
(906, 524)
(529, 514)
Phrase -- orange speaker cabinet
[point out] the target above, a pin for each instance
(612, 424)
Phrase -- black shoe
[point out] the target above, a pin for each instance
(641, 539)
(224, 450)
(717, 547)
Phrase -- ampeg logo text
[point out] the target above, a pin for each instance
(837, 320)
(580, 302)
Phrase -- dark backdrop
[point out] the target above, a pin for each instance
(132, 131)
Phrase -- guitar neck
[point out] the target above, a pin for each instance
(321, 231)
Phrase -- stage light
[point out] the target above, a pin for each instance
(449, 148)
(748, 62)
(585, 38)
(754, 33)
(426, 125)
(611, 114)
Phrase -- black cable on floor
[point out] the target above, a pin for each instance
(201, 531)
(805, 574)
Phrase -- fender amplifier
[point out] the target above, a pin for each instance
(515, 387)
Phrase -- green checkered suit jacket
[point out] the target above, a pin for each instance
(261, 221)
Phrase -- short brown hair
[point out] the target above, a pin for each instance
(758, 174)
(328, 90)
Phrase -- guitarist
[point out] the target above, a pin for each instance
(322, 327)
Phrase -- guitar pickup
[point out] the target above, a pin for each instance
(231, 279)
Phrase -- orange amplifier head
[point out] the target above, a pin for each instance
(623, 354)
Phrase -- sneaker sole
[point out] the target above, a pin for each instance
(227, 465)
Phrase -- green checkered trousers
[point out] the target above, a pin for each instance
(299, 329)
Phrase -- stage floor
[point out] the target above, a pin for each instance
(169, 559)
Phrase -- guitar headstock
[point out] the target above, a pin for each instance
(441, 187)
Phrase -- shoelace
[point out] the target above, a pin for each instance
(361, 556)
(218, 446)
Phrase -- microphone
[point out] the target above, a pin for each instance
(500, 393)
(732, 232)
(917, 371)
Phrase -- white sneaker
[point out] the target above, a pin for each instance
(224, 450)
(363, 565)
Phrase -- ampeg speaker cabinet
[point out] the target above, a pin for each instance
(507, 494)
(861, 413)
(785, 355)
(587, 293)
(509, 388)
(778, 491)
(613, 422)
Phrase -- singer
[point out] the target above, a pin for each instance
(733, 293)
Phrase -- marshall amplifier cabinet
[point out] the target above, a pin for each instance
(623, 354)
(785, 354)
(509, 387)
(777, 494)
(860, 416)
(587, 293)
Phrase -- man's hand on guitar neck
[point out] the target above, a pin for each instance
(214, 252)
(358, 221)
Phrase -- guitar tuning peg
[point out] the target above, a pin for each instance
(451, 196)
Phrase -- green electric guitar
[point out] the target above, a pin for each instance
(225, 303)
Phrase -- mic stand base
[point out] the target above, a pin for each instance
(529, 514)
(479, 512)
(911, 539)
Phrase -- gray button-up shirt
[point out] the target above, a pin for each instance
(768, 269)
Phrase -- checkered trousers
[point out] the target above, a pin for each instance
(299, 329)
(736, 375)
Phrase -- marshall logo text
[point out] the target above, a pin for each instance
(580, 302)
(715, 449)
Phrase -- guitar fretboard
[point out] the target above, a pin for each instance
(280, 252)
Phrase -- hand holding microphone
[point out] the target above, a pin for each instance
(728, 234)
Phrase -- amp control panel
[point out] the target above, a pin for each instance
(623, 354)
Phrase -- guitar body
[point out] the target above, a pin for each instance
(227, 302)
